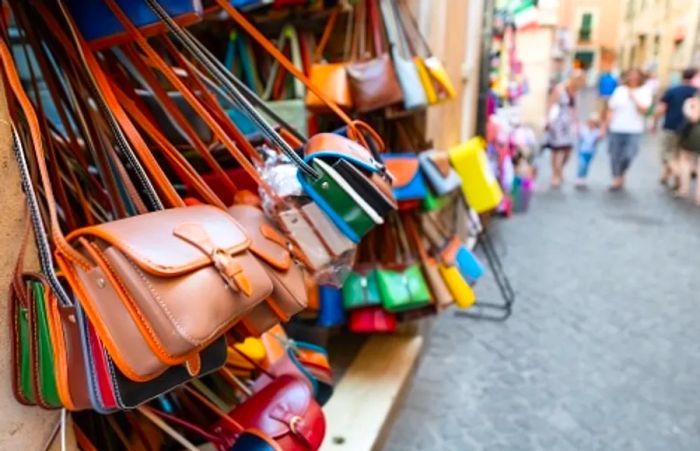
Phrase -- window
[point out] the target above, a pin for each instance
(585, 31)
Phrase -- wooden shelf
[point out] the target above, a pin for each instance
(362, 407)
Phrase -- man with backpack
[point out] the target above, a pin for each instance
(671, 108)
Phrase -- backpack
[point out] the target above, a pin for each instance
(691, 109)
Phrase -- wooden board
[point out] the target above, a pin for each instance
(360, 410)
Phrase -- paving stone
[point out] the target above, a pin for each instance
(601, 352)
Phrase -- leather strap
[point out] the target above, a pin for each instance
(186, 425)
(318, 53)
(418, 243)
(353, 132)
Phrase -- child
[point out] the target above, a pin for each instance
(589, 135)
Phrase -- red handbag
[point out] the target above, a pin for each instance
(371, 320)
(285, 410)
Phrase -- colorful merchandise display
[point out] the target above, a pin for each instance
(204, 178)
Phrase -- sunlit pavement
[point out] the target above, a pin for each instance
(603, 349)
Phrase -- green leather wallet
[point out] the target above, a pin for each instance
(403, 290)
(361, 290)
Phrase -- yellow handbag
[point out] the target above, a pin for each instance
(479, 184)
(463, 294)
(425, 80)
(439, 74)
(251, 347)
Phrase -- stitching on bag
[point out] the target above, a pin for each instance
(138, 312)
(156, 296)
(112, 376)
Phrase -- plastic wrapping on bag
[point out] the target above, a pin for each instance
(326, 251)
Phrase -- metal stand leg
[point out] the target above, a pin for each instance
(491, 311)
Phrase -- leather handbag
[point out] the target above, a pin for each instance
(102, 29)
(331, 313)
(401, 283)
(330, 78)
(479, 184)
(136, 282)
(439, 289)
(434, 77)
(34, 381)
(409, 184)
(288, 295)
(369, 320)
(360, 289)
(308, 227)
(436, 166)
(462, 293)
(414, 96)
(336, 193)
(284, 410)
(457, 254)
(373, 82)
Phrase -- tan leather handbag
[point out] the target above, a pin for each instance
(158, 287)
(289, 295)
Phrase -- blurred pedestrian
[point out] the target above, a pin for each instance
(561, 123)
(690, 144)
(589, 135)
(628, 106)
(671, 108)
(606, 86)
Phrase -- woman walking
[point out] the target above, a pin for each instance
(561, 125)
(627, 110)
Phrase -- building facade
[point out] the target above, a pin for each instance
(593, 27)
(660, 34)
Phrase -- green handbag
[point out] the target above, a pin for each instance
(361, 290)
(24, 384)
(35, 379)
(403, 290)
(335, 200)
(48, 392)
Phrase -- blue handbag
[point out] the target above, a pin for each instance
(101, 28)
(469, 266)
(331, 312)
(409, 184)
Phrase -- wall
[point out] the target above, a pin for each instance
(453, 31)
(674, 22)
(607, 15)
(537, 65)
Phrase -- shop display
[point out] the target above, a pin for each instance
(196, 181)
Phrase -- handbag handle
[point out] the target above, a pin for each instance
(217, 441)
(353, 131)
(405, 16)
(418, 243)
(288, 34)
(163, 426)
(222, 76)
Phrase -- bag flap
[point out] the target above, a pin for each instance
(404, 168)
(262, 410)
(266, 241)
(331, 145)
(150, 240)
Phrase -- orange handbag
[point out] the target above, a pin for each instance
(330, 78)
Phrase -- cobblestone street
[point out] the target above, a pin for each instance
(601, 352)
